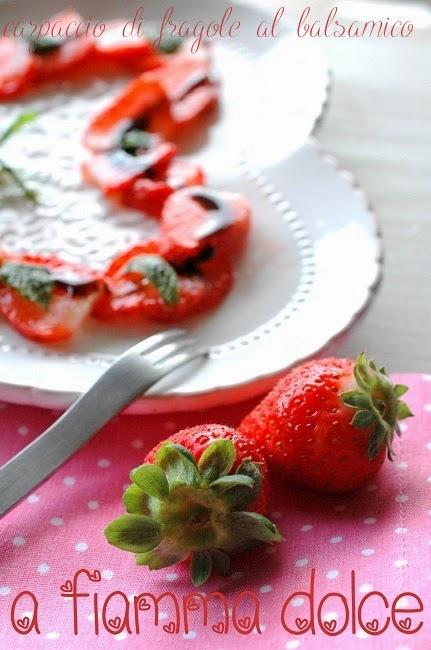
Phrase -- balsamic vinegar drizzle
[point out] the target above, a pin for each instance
(220, 212)
(73, 284)
(191, 84)
(133, 164)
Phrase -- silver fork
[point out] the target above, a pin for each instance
(130, 376)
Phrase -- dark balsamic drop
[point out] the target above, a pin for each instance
(199, 79)
(220, 213)
(191, 266)
(75, 285)
(134, 165)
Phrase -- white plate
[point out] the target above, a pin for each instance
(314, 252)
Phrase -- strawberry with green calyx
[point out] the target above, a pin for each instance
(200, 496)
(329, 423)
(5, 169)
(378, 405)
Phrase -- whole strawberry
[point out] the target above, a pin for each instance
(200, 495)
(329, 423)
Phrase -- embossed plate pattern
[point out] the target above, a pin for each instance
(310, 230)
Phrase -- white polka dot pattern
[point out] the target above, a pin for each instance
(382, 532)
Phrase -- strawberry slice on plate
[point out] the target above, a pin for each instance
(161, 101)
(149, 195)
(44, 298)
(17, 67)
(116, 171)
(57, 57)
(116, 45)
(142, 282)
(189, 94)
(108, 127)
(196, 218)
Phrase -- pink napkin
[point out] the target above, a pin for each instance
(382, 534)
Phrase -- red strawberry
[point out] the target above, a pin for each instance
(198, 218)
(329, 423)
(142, 282)
(17, 67)
(200, 495)
(45, 298)
(150, 194)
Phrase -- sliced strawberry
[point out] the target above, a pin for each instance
(182, 72)
(196, 218)
(116, 171)
(162, 101)
(172, 118)
(70, 298)
(139, 97)
(70, 55)
(113, 45)
(201, 286)
(150, 194)
(17, 67)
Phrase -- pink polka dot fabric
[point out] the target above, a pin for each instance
(382, 533)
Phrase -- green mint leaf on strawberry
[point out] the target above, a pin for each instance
(7, 170)
(160, 274)
(182, 509)
(378, 404)
(35, 283)
(135, 140)
(164, 43)
(42, 45)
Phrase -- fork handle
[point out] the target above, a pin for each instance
(72, 430)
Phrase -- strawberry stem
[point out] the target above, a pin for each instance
(377, 403)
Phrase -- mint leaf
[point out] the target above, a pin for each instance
(136, 139)
(28, 194)
(44, 44)
(164, 43)
(35, 283)
(17, 124)
(160, 274)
